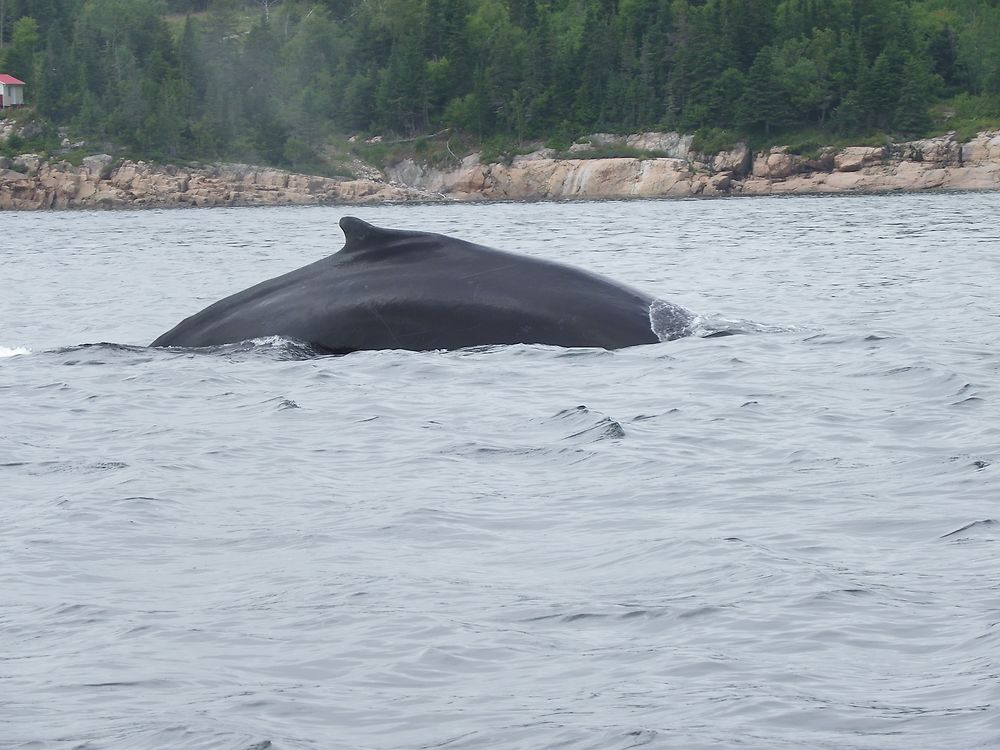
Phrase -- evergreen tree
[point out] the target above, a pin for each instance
(224, 83)
(25, 44)
(879, 89)
(765, 103)
(911, 117)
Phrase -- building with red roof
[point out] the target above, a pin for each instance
(11, 91)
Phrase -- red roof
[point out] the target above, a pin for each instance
(10, 80)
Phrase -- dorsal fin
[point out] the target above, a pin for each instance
(360, 234)
(355, 231)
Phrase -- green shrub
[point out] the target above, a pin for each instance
(500, 150)
(968, 115)
(713, 140)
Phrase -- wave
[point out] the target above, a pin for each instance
(707, 326)
(670, 321)
(270, 347)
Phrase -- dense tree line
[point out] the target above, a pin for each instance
(196, 78)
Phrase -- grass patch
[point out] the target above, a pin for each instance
(19, 115)
(812, 142)
(440, 150)
(967, 115)
(558, 143)
(501, 150)
(74, 157)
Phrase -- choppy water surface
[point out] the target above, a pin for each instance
(786, 538)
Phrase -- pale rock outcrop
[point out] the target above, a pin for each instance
(853, 158)
(943, 151)
(555, 179)
(823, 161)
(28, 163)
(983, 149)
(465, 180)
(721, 184)
(776, 164)
(7, 129)
(672, 145)
(916, 165)
(738, 161)
(97, 164)
(30, 182)
(95, 183)
(932, 163)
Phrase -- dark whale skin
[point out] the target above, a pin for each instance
(399, 289)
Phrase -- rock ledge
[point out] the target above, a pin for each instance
(29, 182)
(673, 170)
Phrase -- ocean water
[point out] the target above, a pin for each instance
(784, 538)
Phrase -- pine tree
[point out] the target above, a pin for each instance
(911, 117)
(764, 104)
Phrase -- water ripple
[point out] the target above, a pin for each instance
(780, 539)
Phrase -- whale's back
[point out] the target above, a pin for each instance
(397, 289)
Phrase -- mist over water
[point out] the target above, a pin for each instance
(782, 538)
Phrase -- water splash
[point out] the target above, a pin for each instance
(270, 347)
(670, 321)
(706, 326)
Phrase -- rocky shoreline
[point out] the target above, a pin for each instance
(677, 171)
(99, 182)
(667, 167)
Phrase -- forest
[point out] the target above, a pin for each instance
(272, 81)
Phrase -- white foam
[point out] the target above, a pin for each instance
(706, 325)
(669, 321)
(272, 341)
(6, 351)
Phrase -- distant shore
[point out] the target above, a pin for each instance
(943, 163)
(666, 167)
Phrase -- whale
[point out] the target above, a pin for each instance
(422, 291)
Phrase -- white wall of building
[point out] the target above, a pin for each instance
(12, 95)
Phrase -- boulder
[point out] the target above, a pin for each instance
(853, 158)
(97, 163)
(983, 149)
(738, 161)
(721, 182)
(671, 145)
(30, 163)
(943, 151)
(775, 164)
(821, 162)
